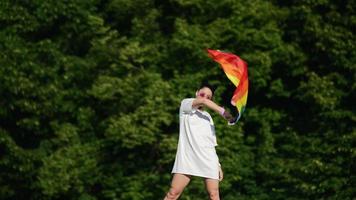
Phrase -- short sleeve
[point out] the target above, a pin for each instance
(186, 106)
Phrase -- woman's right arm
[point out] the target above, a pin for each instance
(213, 106)
(198, 102)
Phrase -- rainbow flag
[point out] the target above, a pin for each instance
(236, 70)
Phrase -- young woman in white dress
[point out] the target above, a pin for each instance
(196, 155)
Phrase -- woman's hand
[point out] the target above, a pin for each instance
(221, 174)
(228, 116)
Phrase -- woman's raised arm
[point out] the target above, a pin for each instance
(198, 102)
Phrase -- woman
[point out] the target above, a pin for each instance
(196, 155)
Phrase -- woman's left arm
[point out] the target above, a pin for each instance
(221, 174)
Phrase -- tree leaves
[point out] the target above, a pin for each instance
(91, 91)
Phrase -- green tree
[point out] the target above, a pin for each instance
(90, 92)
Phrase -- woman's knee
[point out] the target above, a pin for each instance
(214, 194)
(174, 193)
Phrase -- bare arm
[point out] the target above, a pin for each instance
(208, 103)
(213, 106)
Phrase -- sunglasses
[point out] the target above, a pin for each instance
(202, 94)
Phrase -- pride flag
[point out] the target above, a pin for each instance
(236, 70)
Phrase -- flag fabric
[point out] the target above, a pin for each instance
(236, 70)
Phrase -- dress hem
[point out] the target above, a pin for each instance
(194, 174)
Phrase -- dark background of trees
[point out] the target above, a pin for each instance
(90, 92)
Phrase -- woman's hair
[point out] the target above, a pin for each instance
(206, 84)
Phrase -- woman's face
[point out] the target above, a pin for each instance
(204, 93)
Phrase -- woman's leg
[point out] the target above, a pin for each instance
(179, 182)
(212, 187)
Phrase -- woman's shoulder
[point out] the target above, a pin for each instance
(188, 99)
(207, 113)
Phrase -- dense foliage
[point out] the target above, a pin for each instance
(90, 92)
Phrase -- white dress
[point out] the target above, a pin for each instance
(196, 153)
